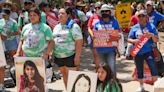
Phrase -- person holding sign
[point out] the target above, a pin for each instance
(68, 43)
(108, 24)
(145, 53)
(36, 37)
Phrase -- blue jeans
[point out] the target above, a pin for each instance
(110, 59)
(139, 62)
(11, 44)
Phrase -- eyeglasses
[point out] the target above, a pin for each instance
(105, 11)
(141, 16)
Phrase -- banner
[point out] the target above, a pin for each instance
(30, 74)
(79, 81)
(51, 20)
(103, 38)
(123, 14)
(2, 55)
(138, 46)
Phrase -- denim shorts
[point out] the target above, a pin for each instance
(139, 62)
(11, 44)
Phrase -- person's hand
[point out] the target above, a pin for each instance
(150, 34)
(45, 56)
(16, 55)
(136, 40)
(77, 61)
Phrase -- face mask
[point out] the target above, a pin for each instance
(105, 15)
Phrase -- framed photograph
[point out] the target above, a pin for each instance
(30, 74)
(2, 54)
(79, 81)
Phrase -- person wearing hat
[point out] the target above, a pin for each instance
(107, 22)
(145, 54)
(154, 16)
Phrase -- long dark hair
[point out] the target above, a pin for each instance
(79, 77)
(110, 78)
(39, 81)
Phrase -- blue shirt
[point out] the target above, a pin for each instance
(137, 31)
(155, 17)
(112, 24)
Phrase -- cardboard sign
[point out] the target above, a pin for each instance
(123, 14)
(2, 55)
(103, 38)
(79, 81)
(138, 46)
(51, 20)
(30, 74)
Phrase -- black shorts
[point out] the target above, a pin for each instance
(68, 61)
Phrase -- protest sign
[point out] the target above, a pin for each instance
(123, 14)
(105, 38)
(30, 74)
(79, 81)
(138, 46)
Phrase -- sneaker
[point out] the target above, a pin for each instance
(140, 89)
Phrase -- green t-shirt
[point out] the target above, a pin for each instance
(115, 88)
(36, 39)
(65, 40)
(43, 17)
(8, 26)
(23, 19)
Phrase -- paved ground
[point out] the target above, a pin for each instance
(124, 70)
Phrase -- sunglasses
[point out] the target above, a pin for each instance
(105, 11)
(97, 7)
(141, 16)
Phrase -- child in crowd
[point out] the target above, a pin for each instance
(107, 82)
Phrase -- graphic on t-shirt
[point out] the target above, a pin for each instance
(32, 39)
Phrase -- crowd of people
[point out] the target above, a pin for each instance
(29, 33)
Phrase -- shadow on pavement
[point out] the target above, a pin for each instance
(123, 67)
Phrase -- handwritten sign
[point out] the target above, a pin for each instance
(123, 14)
(138, 46)
(51, 20)
(103, 38)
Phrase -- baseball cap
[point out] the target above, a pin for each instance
(142, 12)
(105, 7)
(98, 4)
(149, 2)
